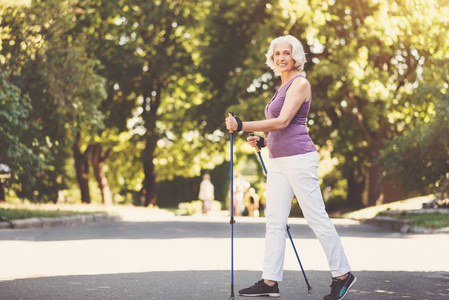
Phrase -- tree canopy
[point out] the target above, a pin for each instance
(133, 92)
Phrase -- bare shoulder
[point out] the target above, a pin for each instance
(300, 82)
(300, 86)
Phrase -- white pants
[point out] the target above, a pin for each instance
(297, 175)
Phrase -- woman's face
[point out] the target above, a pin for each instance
(282, 57)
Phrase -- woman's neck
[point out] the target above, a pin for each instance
(287, 76)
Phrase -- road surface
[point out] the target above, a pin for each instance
(165, 257)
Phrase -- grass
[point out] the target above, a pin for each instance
(427, 220)
(25, 211)
(16, 211)
(431, 220)
(371, 212)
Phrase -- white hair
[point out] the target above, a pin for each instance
(297, 52)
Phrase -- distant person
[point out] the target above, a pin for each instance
(292, 171)
(241, 186)
(143, 196)
(327, 193)
(206, 194)
(253, 203)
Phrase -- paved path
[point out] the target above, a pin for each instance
(152, 256)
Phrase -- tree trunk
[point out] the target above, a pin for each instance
(150, 183)
(373, 187)
(355, 191)
(375, 196)
(82, 169)
(98, 162)
(150, 106)
(2, 192)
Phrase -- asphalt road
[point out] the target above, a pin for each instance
(170, 258)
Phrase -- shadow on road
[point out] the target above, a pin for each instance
(180, 229)
(211, 285)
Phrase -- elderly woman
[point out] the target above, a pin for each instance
(292, 171)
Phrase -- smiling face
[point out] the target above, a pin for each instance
(282, 57)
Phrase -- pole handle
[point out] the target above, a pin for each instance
(230, 114)
(257, 148)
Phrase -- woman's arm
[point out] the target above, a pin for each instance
(297, 94)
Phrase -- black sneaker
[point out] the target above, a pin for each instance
(340, 287)
(261, 289)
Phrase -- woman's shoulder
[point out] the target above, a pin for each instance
(300, 80)
(299, 83)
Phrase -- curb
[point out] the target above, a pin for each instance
(68, 221)
(389, 223)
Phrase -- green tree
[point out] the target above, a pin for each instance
(49, 64)
(150, 55)
(417, 159)
(15, 151)
(365, 60)
(367, 57)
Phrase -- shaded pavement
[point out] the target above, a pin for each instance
(154, 256)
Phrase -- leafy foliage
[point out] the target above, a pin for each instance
(422, 147)
(150, 82)
(51, 66)
(15, 149)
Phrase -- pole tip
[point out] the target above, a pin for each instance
(309, 288)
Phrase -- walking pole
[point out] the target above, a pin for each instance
(309, 288)
(260, 157)
(232, 221)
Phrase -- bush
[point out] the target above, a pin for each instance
(195, 208)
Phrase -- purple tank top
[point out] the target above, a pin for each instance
(294, 139)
